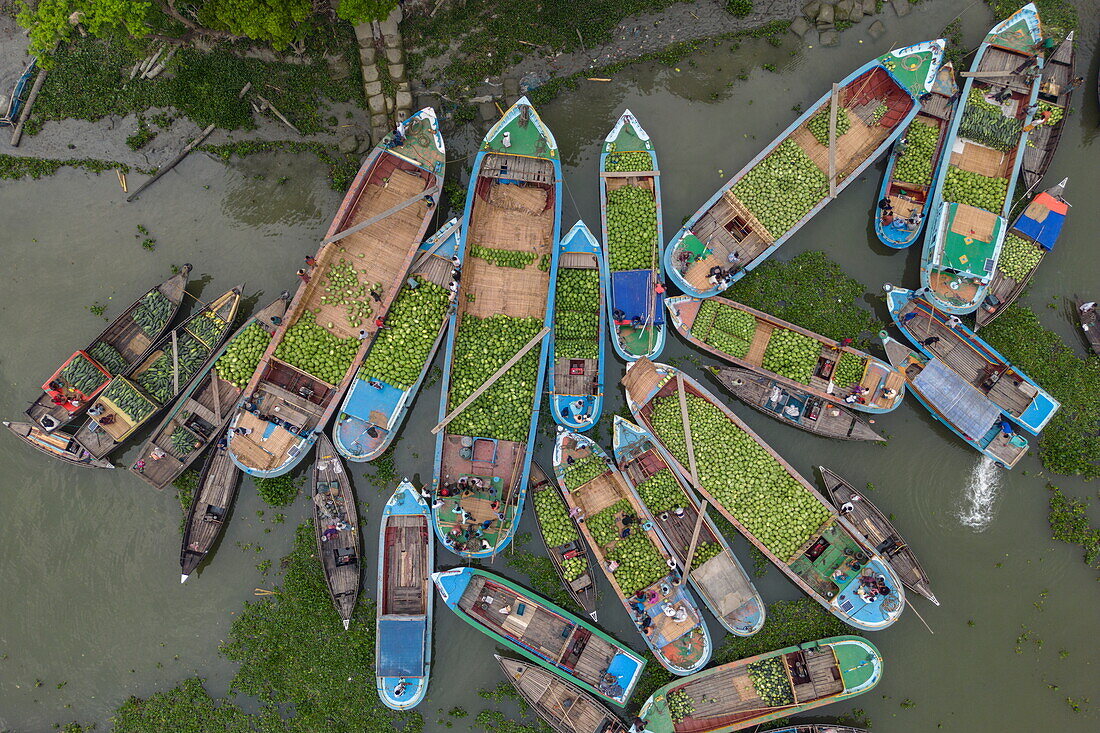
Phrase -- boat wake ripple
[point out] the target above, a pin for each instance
(977, 507)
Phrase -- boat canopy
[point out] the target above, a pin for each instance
(630, 293)
(1042, 220)
(963, 406)
(970, 242)
(401, 646)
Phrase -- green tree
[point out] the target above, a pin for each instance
(273, 21)
(364, 11)
(51, 21)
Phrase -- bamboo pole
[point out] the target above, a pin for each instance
(175, 365)
(374, 219)
(694, 475)
(832, 141)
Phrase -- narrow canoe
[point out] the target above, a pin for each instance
(961, 350)
(958, 404)
(747, 219)
(551, 637)
(719, 326)
(725, 698)
(177, 359)
(1056, 94)
(372, 241)
(209, 510)
(582, 588)
(371, 415)
(336, 521)
(1034, 232)
(17, 98)
(57, 444)
(720, 579)
(880, 532)
(512, 224)
(1090, 325)
(576, 369)
(795, 407)
(564, 706)
(832, 563)
(630, 285)
(121, 347)
(818, 728)
(199, 417)
(987, 139)
(403, 638)
(909, 198)
(665, 614)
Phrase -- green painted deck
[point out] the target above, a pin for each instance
(638, 341)
(968, 254)
(477, 504)
(420, 144)
(525, 140)
(856, 665)
(911, 71)
(831, 572)
(1016, 37)
(627, 140)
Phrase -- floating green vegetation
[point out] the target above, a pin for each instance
(1069, 523)
(810, 291)
(14, 167)
(1070, 443)
(342, 168)
(539, 570)
(188, 706)
(1059, 16)
(280, 490)
(384, 477)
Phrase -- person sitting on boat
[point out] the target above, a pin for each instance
(330, 533)
(849, 506)
(612, 566)
(791, 411)
(900, 146)
(638, 726)
(1088, 307)
(898, 224)
(716, 273)
(889, 393)
(885, 206)
(485, 544)
(400, 687)
(95, 410)
(1000, 96)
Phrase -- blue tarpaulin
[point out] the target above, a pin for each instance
(1042, 220)
(962, 405)
(401, 646)
(631, 292)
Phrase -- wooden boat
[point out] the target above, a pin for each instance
(1035, 229)
(403, 638)
(199, 417)
(986, 139)
(725, 698)
(832, 563)
(372, 240)
(513, 215)
(958, 404)
(120, 348)
(563, 705)
(130, 401)
(818, 728)
(15, 101)
(633, 299)
(1017, 395)
(1090, 325)
(371, 416)
(1055, 93)
(879, 531)
(209, 511)
(582, 587)
(551, 637)
(716, 574)
(725, 238)
(336, 520)
(909, 199)
(665, 614)
(576, 361)
(795, 407)
(57, 444)
(710, 325)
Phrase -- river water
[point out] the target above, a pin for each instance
(91, 605)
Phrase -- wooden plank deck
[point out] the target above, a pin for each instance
(405, 566)
(760, 339)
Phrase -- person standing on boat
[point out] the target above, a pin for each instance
(954, 322)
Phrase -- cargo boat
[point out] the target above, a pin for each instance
(209, 511)
(372, 240)
(726, 237)
(986, 141)
(512, 224)
(551, 637)
(57, 444)
(576, 370)
(962, 351)
(563, 705)
(833, 564)
(713, 326)
(726, 698)
(1055, 93)
(665, 613)
(717, 576)
(374, 410)
(633, 291)
(336, 525)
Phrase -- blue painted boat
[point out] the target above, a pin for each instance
(633, 556)
(726, 237)
(553, 638)
(909, 198)
(375, 407)
(832, 562)
(956, 403)
(987, 139)
(634, 296)
(937, 336)
(403, 639)
(576, 384)
(16, 100)
(512, 224)
(720, 579)
(372, 240)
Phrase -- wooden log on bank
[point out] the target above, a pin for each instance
(172, 163)
(17, 134)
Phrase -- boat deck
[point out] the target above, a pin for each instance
(334, 508)
(420, 145)
(584, 383)
(557, 701)
(999, 61)
(405, 566)
(210, 509)
(498, 465)
(970, 156)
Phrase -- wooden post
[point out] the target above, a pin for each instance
(376, 218)
(687, 428)
(217, 394)
(172, 163)
(17, 134)
(175, 365)
(493, 378)
(832, 141)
